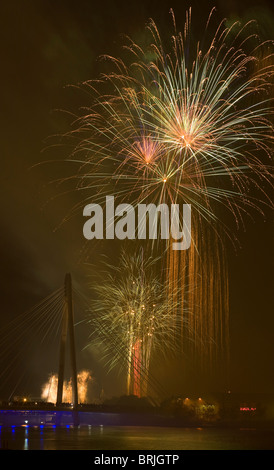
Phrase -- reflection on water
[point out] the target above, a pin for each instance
(132, 438)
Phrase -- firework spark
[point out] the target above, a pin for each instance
(178, 124)
(49, 390)
(133, 318)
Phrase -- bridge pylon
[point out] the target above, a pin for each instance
(67, 332)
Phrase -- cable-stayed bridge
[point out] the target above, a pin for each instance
(50, 326)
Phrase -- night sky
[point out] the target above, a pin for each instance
(45, 46)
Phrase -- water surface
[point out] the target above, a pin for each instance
(87, 437)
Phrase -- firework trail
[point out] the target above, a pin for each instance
(131, 316)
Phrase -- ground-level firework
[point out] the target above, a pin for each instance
(49, 390)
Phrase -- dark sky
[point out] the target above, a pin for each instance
(44, 46)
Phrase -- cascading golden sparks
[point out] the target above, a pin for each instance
(132, 318)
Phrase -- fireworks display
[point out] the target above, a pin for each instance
(137, 145)
(188, 124)
(49, 390)
(181, 121)
(133, 319)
